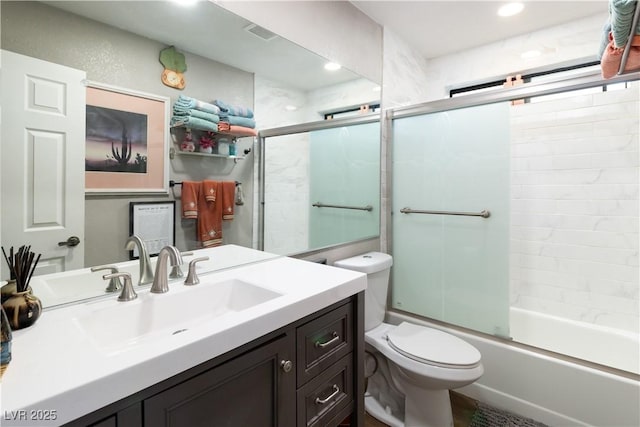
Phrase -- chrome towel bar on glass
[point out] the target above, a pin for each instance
(363, 208)
(484, 213)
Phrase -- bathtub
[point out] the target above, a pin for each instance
(606, 346)
(556, 391)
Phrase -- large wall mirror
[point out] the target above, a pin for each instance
(229, 58)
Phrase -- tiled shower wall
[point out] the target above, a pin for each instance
(574, 208)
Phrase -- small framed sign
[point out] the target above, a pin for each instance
(154, 223)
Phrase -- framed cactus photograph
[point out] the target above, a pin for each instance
(126, 144)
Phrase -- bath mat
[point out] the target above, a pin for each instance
(487, 416)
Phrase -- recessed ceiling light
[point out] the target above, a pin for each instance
(530, 54)
(290, 108)
(332, 66)
(376, 89)
(511, 9)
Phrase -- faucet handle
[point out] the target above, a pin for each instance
(127, 293)
(192, 276)
(114, 283)
(176, 271)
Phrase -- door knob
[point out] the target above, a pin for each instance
(71, 241)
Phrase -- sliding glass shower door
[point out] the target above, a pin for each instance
(452, 262)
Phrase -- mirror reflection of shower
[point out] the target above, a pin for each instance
(321, 187)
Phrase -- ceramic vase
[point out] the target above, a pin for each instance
(22, 309)
(188, 147)
(207, 150)
(5, 343)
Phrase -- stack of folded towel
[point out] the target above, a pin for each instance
(235, 119)
(193, 113)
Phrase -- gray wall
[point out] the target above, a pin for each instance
(111, 56)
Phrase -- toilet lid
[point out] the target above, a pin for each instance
(431, 346)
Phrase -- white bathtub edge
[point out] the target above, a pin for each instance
(615, 348)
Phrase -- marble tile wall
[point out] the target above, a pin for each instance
(405, 82)
(287, 195)
(574, 208)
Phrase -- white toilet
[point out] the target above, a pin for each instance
(410, 368)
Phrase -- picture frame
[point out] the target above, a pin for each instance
(154, 223)
(126, 141)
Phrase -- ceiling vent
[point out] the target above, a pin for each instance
(261, 32)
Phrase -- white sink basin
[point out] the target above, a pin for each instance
(114, 326)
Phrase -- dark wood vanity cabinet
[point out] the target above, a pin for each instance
(250, 390)
(309, 373)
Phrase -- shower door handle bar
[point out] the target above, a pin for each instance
(483, 213)
(368, 208)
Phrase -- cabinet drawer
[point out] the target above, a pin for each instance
(323, 397)
(323, 341)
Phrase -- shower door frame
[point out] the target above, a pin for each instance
(586, 80)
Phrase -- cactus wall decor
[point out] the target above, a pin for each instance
(174, 67)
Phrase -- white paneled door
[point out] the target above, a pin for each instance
(42, 157)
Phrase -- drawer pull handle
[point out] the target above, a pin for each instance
(335, 338)
(336, 390)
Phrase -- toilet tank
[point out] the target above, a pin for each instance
(377, 266)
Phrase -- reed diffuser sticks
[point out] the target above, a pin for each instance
(22, 265)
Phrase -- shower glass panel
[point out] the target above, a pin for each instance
(453, 268)
(336, 167)
(344, 173)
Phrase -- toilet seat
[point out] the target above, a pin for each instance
(433, 347)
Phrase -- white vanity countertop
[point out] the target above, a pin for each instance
(62, 288)
(57, 367)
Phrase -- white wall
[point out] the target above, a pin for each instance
(409, 78)
(574, 208)
(574, 40)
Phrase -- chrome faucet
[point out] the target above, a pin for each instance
(176, 271)
(146, 274)
(114, 283)
(160, 281)
(127, 293)
(192, 277)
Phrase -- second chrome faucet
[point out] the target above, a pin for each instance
(146, 274)
(160, 279)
